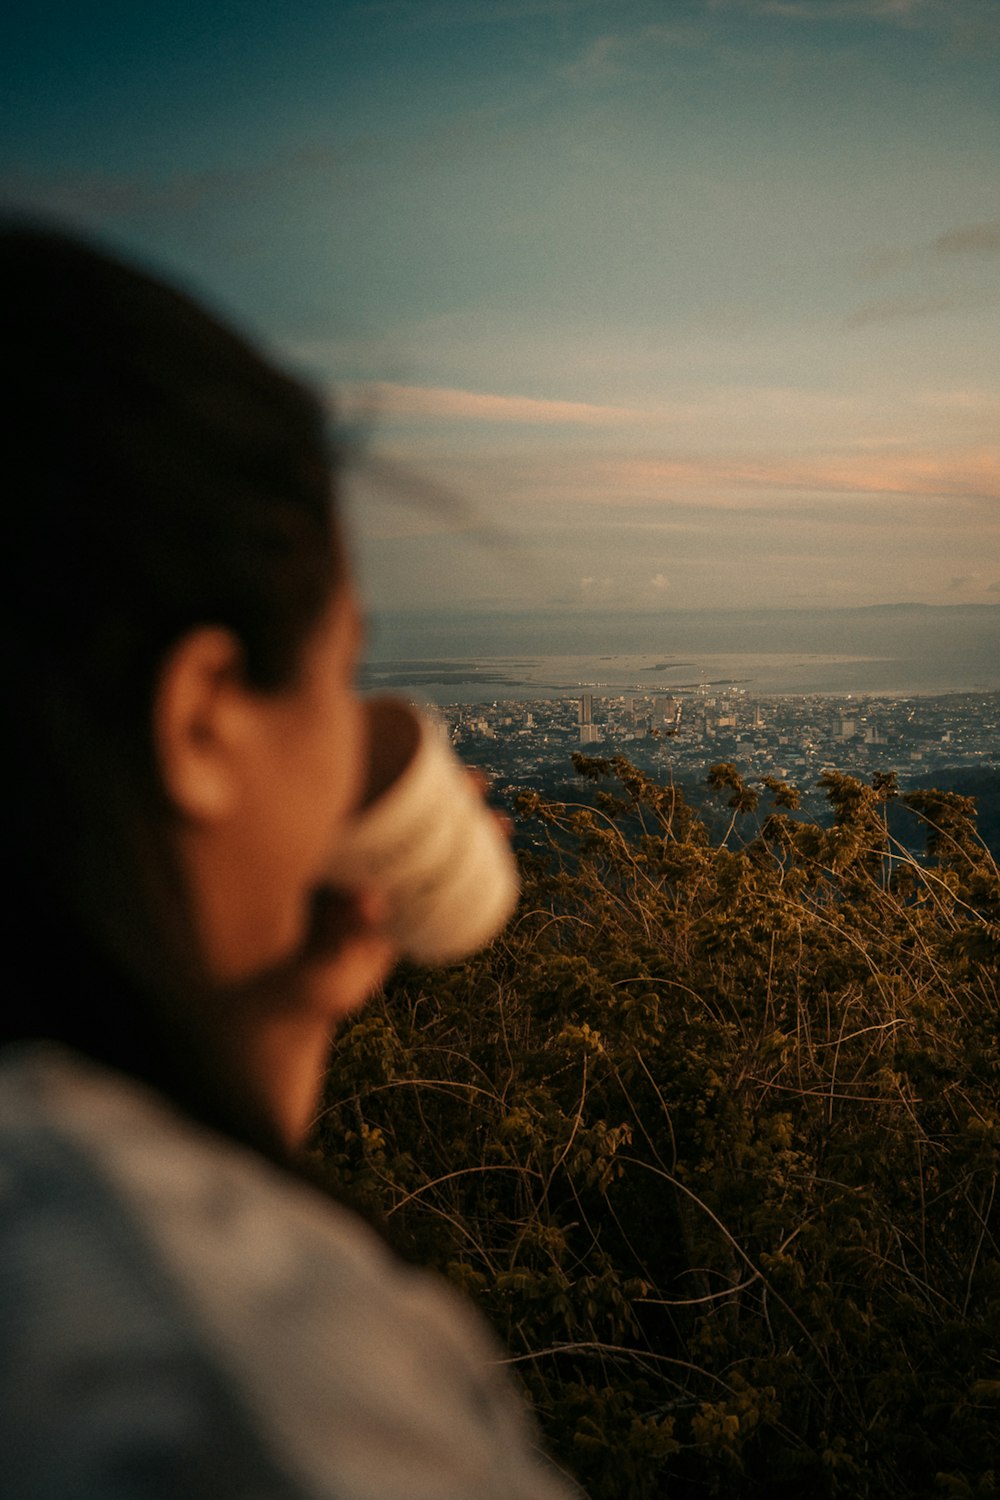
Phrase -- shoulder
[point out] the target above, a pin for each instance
(131, 1239)
(107, 1386)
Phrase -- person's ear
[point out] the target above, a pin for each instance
(202, 721)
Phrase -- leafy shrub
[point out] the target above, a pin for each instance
(712, 1134)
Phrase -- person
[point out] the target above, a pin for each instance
(181, 1313)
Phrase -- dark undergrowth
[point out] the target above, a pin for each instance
(712, 1135)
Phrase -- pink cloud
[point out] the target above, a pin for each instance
(388, 399)
(970, 473)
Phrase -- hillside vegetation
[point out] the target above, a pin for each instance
(712, 1135)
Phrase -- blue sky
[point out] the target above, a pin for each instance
(645, 304)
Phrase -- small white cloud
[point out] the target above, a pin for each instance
(660, 581)
(599, 590)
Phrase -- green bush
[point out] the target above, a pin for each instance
(712, 1135)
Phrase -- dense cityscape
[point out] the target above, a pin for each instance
(529, 744)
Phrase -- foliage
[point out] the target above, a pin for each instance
(712, 1134)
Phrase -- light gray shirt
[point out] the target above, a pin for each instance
(180, 1318)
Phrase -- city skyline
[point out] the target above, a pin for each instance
(946, 741)
(634, 306)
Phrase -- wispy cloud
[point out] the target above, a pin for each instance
(389, 400)
(901, 12)
(735, 416)
(970, 239)
(605, 58)
(973, 474)
(600, 61)
(964, 241)
(900, 492)
(962, 25)
(899, 309)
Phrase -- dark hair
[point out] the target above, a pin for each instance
(159, 474)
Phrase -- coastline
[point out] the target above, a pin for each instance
(472, 679)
